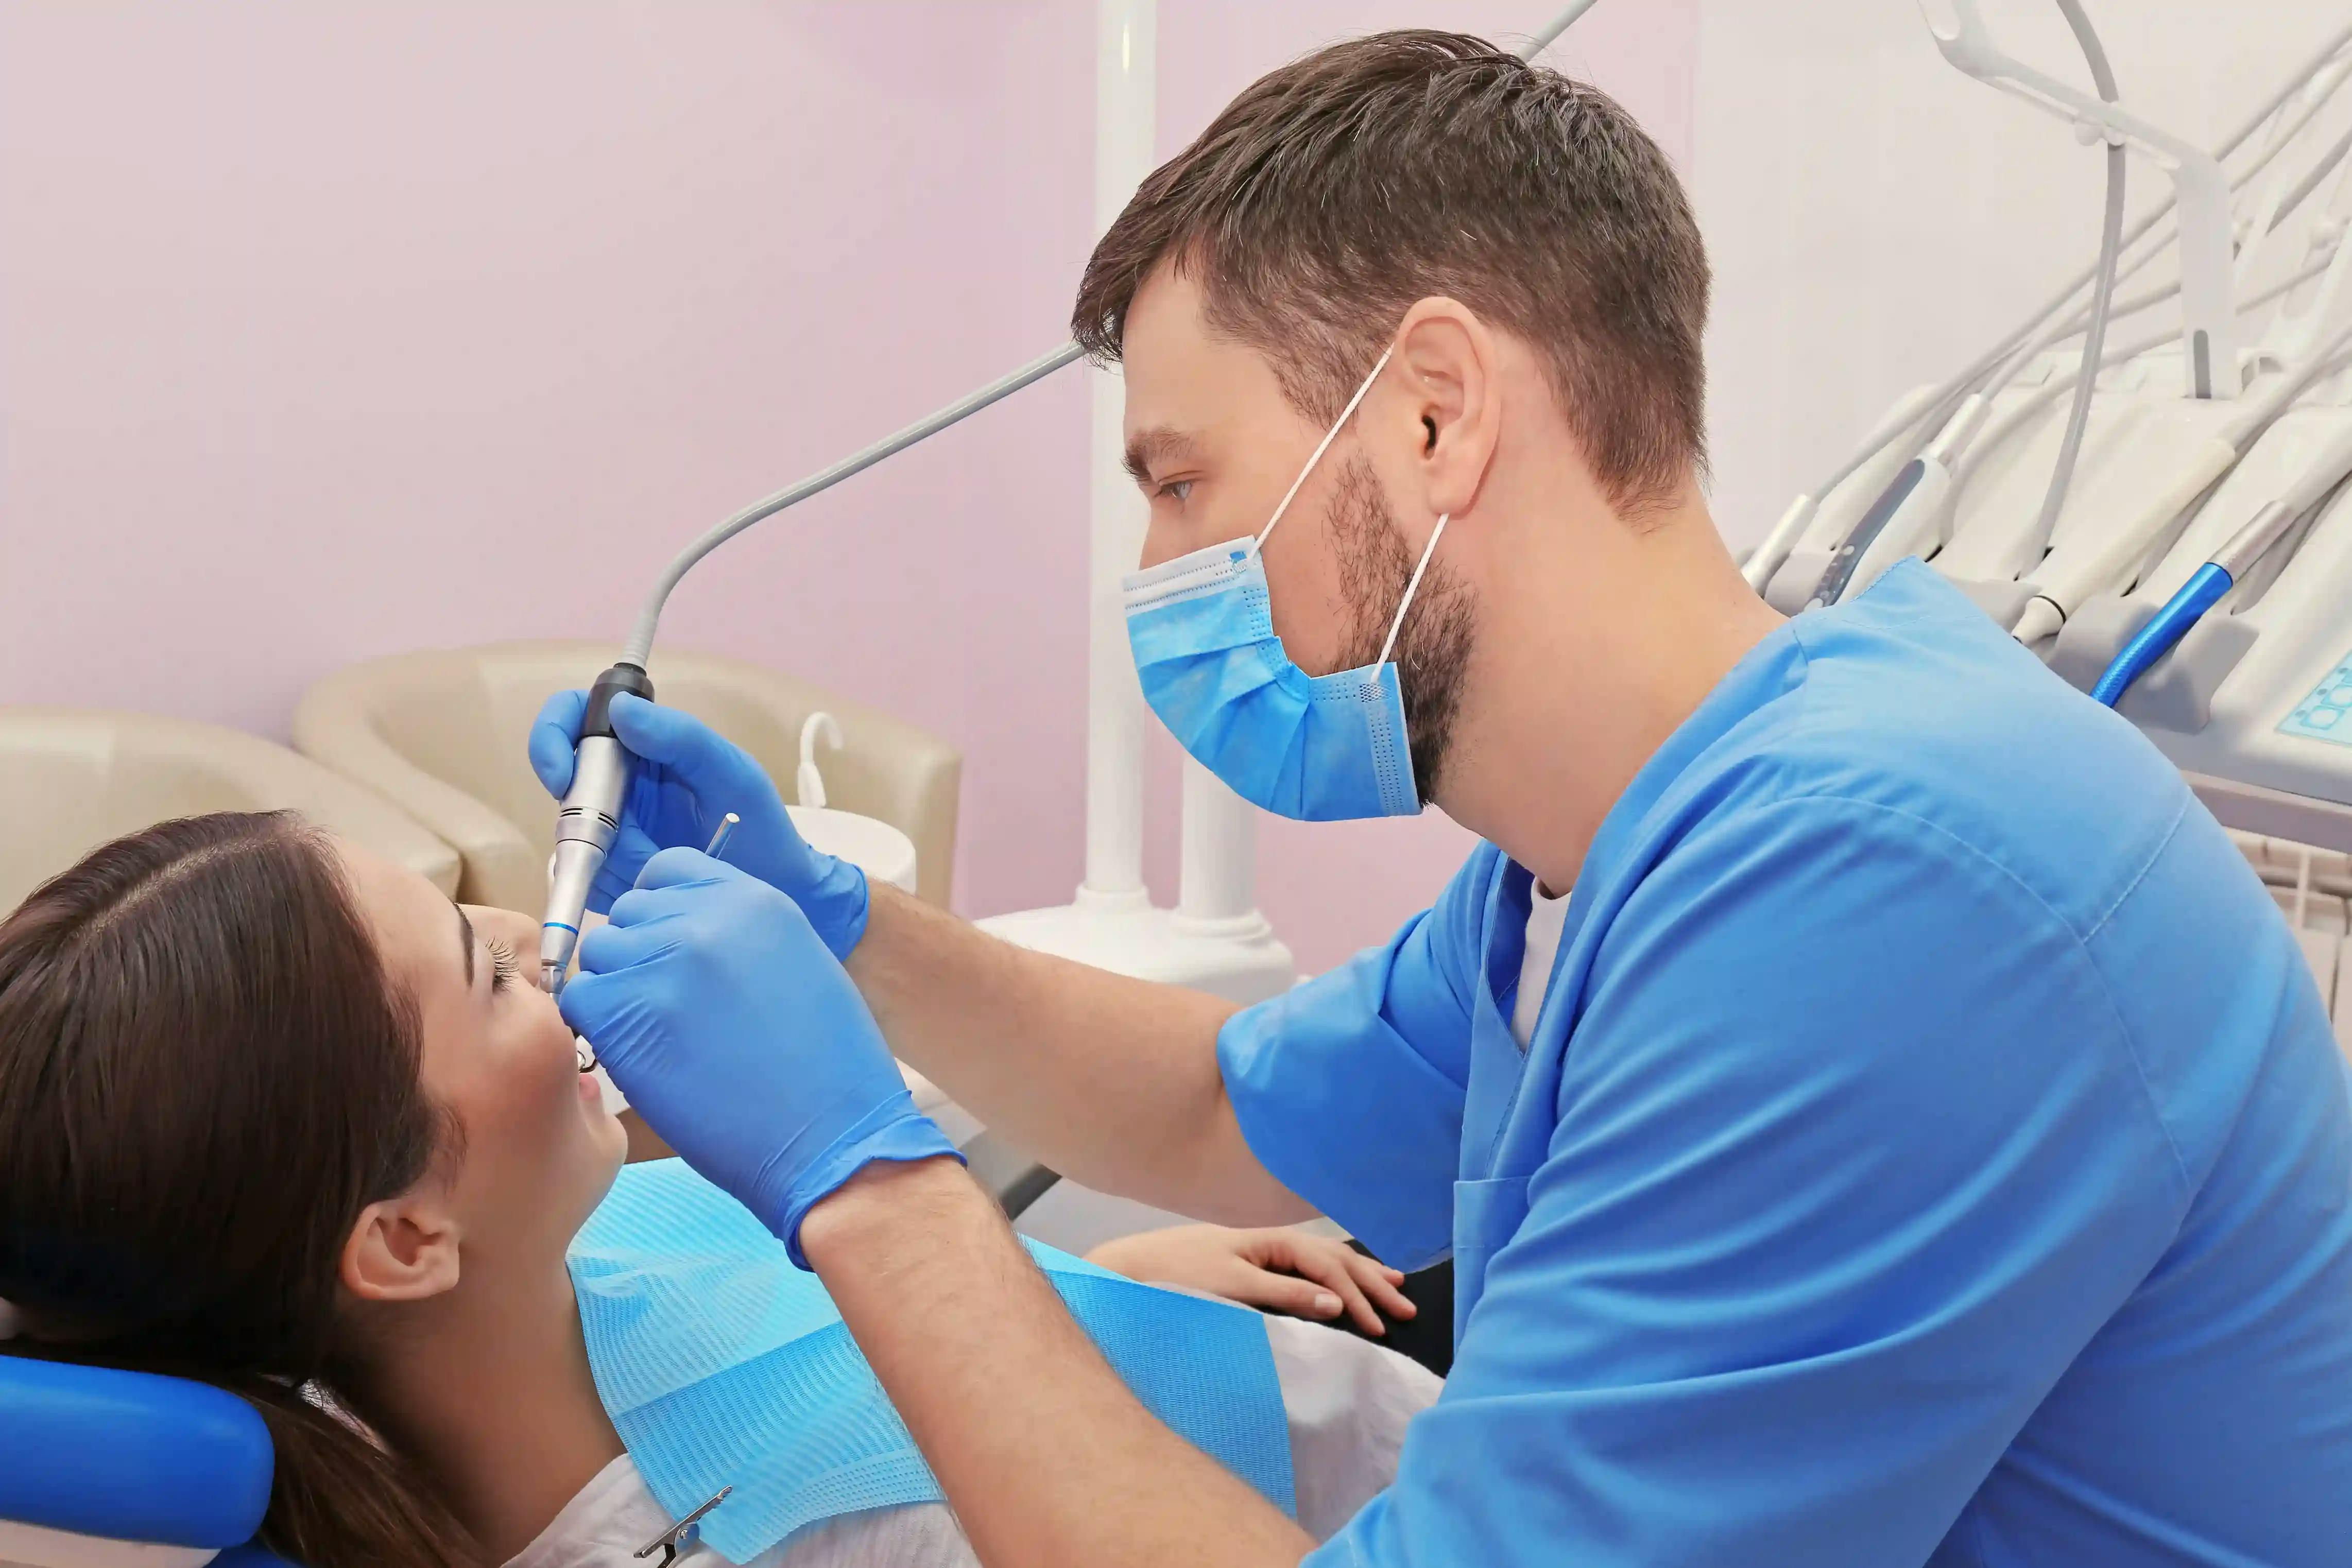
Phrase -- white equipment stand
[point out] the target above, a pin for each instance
(1214, 939)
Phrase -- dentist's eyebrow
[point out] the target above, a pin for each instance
(1159, 445)
(466, 940)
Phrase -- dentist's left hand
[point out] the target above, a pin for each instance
(740, 1039)
(688, 776)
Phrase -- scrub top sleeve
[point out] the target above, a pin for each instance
(1852, 1160)
(1348, 1088)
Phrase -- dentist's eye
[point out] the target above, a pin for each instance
(1176, 490)
(504, 969)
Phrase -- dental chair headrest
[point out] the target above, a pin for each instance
(129, 1456)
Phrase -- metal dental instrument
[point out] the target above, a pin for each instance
(591, 812)
(666, 1543)
(726, 826)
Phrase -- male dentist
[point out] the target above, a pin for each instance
(1916, 1139)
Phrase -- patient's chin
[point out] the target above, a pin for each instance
(605, 1131)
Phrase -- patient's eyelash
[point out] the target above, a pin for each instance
(503, 968)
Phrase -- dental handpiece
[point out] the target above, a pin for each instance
(585, 823)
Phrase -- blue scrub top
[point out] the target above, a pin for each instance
(1933, 1148)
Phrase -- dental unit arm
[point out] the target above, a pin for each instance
(1799, 540)
(590, 814)
(2202, 191)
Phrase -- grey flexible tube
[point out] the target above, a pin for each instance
(641, 639)
(1559, 24)
(2102, 291)
(640, 645)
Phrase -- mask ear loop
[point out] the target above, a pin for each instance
(1322, 447)
(1412, 588)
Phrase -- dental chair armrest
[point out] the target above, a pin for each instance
(129, 1455)
(1012, 1178)
(497, 864)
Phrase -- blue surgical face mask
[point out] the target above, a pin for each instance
(1315, 749)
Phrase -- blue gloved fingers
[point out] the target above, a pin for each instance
(729, 1022)
(612, 882)
(677, 739)
(613, 948)
(601, 1008)
(587, 1004)
(554, 737)
(683, 867)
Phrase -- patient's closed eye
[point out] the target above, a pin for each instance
(503, 968)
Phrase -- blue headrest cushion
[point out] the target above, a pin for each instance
(129, 1455)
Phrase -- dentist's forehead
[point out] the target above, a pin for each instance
(1189, 388)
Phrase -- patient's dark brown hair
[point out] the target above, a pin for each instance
(205, 1077)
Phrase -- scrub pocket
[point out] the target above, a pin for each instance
(1487, 1214)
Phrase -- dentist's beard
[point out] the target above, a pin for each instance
(1433, 647)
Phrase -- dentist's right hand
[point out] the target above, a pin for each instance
(688, 776)
(740, 1039)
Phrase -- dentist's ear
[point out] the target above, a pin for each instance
(402, 1249)
(1449, 363)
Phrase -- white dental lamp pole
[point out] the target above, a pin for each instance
(1217, 869)
(1125, 67)
(1214, 939)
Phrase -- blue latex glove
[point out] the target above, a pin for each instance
(741, 1040)
(688, 776)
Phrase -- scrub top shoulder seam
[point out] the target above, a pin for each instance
(2080, 941)
(2163, 841)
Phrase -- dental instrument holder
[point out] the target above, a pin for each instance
(2173, 620)
(2208, 312)
(589, 817)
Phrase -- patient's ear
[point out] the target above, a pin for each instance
(402, 1250)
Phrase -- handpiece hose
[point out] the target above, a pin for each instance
(589, 817)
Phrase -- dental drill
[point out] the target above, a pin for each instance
(589, 815)
(587, 822)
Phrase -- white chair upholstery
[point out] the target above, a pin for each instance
(71, 778)
(442, 733)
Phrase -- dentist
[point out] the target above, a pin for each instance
(1916, 1139)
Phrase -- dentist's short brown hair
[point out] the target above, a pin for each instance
(1339, 190)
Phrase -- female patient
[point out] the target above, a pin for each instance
(274, 1115)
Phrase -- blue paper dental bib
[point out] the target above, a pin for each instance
(723, 1365)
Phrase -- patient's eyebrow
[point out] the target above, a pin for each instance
(1159, 444)
(466, 940)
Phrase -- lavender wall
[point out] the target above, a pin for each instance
(329, 331)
